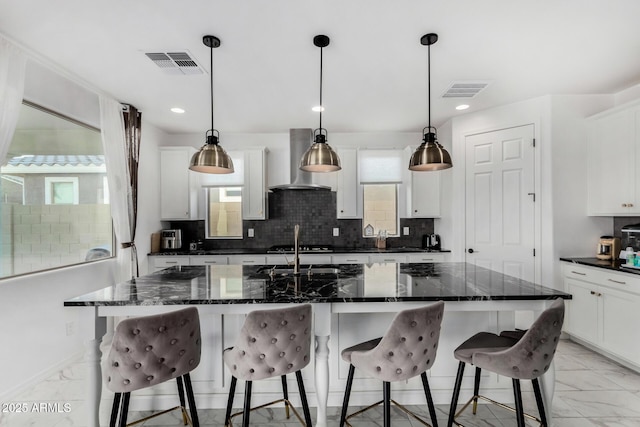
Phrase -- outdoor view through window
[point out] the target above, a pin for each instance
(54, 204)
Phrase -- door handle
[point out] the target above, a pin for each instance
(470, 250)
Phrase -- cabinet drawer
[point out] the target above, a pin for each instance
(425, 257)
(350, 259)
(208, 260)
(248, 259)
(170, 261)
(388, 258)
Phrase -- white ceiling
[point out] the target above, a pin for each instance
(375, 69)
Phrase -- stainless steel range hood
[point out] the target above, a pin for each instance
(299, 141)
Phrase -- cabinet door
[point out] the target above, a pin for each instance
(247, 259)
(254, 196)
(425, 195)
(178, 192)
(620, 324)
(611, 167)
(348, 198)
(350, 259)
(388, 258)
(582, 314)
(426, 257)
(164, 261)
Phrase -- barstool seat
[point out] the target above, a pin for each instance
(271, 343)
(514, 354)
(150, 350)
(408, 349)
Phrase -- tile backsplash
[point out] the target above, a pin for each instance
(315, 211)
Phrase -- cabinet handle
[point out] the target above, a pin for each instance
(171, 262)
(416, 210)
(598, 294)
(577, 272)
(624, 205)
(629, 205)
(211, 262)
(617, 281)
(389, 260)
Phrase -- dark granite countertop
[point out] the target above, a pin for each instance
(390, 282)
(263, 251)
(615, 265)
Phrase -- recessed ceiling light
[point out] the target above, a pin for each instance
(177, 110)
(462, 107)
(318, 108)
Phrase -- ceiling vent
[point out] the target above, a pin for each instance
(176, 63)
(464, 89)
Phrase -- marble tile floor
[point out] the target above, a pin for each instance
(591, 390)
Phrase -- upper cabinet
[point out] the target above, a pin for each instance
(178, 185)
(422, 191)
(613, 162)
(254, 192)
(348, 191)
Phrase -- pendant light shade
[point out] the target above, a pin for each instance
(430, 155)
(320, 157)
(211, 158)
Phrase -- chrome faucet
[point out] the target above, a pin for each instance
(296, 256)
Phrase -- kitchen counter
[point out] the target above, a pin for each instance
(614, 265)
(450, 281)
(261, 251)
(350, 302)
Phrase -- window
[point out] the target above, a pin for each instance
(53, 196)
(224, 213)
(380, 209)
(380, 173)
(60, 190)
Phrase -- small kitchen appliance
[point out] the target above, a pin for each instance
(171, 240)
(608, 248)
(631, 237)
(431, 242)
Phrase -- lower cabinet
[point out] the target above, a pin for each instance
(158, 263)
(248, 259)
(208, 260)
(604, 311)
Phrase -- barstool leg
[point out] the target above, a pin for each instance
(303, 398)
(192, 401)
(285, 393)
(456, 394)
(518, 398)
(114, 410)
(427, 393)
(347, 394)
(386, 393)
(476, 389)
(232, 392)
(124, 409)
(247, 404)
(181, 397)
(539, 401)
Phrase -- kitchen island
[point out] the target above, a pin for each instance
(350, 302)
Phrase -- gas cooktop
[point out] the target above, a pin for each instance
(279, 249)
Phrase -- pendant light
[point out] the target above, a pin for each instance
(430, 155)
(211, 158)
(320, 157)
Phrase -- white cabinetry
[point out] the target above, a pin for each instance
(254, 195)
(247, 259)
(178, 184)
(613, 155)
(604, 310)
(427, 257)
(165, 261)
(350, 259)
(348, 193)
(422, 192)
(388, 257)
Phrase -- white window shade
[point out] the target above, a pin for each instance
(229, 179)
(380, 166)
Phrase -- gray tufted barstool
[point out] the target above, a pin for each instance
(271, 343)
(406, 350)
(150, 350)
(513, 354)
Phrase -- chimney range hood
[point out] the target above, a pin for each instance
(299, 142)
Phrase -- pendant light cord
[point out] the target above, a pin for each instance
(321, 106)
(429, 83)
(211, 65)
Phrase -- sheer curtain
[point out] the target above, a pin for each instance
(12, 71)
(119, 176)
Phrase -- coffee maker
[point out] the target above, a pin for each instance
(608, 248)
(170, 240)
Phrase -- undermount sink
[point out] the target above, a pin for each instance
(288, 271)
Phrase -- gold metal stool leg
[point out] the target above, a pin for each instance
(402, 408)
(475, 398)
(287, 404)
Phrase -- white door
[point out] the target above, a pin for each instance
(500, 197)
